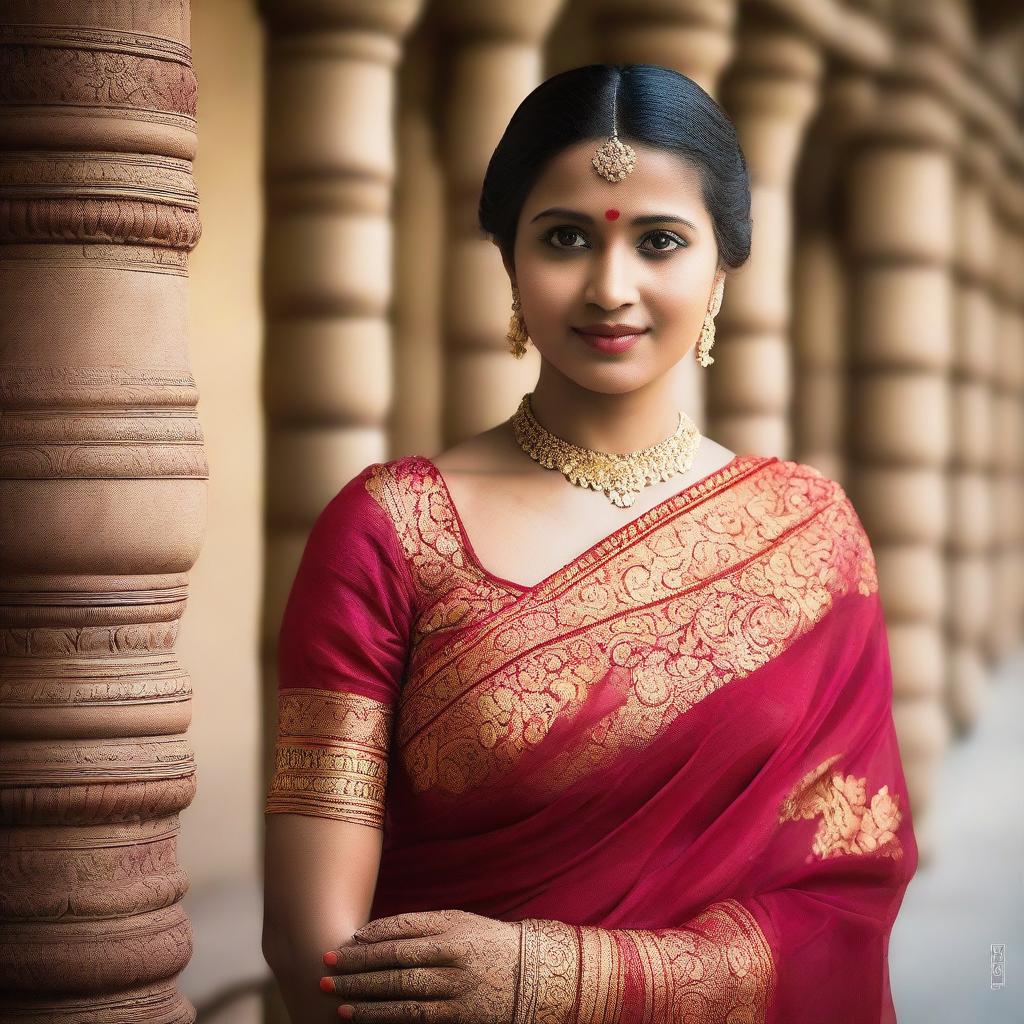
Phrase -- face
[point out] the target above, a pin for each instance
(591, 262)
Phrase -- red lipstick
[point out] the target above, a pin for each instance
(610, 338)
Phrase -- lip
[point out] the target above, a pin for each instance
(610, 338)
(610, 330)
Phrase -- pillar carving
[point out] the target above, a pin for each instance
(102, 507)
(494, 59)
(901, 236)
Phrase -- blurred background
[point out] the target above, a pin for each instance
(343, 308)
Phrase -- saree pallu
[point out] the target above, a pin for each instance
(674, 757)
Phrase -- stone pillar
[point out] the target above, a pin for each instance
(1007, 421)
(770, 92)
(970, 523)
(695, 38)
(419, 249)
(330, 168)
(901, 234)
(494, 59)
(820, 272)
(102, 507)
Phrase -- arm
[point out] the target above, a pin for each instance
(341, 656)
(318, 887)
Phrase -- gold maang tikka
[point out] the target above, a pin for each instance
(614, 159)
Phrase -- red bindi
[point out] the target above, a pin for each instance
(611, 214)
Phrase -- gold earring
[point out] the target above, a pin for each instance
(517, 336)
(707, 331)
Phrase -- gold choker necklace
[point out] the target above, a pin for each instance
(620, 477)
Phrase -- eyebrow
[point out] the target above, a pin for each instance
(653, 218)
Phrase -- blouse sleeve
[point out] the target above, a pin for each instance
(342, 654)
(809, 942)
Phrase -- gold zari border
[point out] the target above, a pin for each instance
(703, 589)
(718, 967)
(331, 756)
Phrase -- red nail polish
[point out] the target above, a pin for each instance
(346, 1012)
(327, 984)
(330, 958)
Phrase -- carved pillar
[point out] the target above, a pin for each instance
(901, 229)
(419, 249)
(330, 167)
(102, 507)
(770, 92)
(1001, 69)
(970, 524)
(494, 60)
(820, 271)
(1007, 424)
(695, 38)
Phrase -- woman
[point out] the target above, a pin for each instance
(589, 716)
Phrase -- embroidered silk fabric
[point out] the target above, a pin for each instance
(674, 758)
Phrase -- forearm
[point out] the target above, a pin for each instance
(297, 966)
(717, 966)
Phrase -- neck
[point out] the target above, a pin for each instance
(614, 423)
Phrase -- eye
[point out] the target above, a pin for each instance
(562, 231)
(682, 243)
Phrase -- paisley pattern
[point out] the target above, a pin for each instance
(718, 967)
(331, 756)
(697, 592)
(848, 825)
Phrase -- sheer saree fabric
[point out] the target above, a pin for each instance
(673, 759)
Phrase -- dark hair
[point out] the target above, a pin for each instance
(652, 105)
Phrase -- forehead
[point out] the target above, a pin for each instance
(659, 179)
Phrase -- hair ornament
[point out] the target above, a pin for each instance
(614, 159)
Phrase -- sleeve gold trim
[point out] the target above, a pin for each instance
(331, 756)
(719, 960)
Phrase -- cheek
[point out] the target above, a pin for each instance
(550, 293)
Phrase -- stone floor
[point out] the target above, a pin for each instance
(972, 894)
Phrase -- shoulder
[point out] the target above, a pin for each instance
(364, 516)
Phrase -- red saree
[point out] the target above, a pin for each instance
(674, 758)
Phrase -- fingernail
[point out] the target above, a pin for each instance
(330, 958)
(345, 1011)
(327, 984)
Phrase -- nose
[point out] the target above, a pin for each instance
(611, 284)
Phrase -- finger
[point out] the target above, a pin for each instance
(402, 983)
(380, 956)
(423, 922)
(429, 1011)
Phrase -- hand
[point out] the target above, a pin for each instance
(448, 966)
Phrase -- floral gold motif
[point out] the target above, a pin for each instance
(849, 825)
